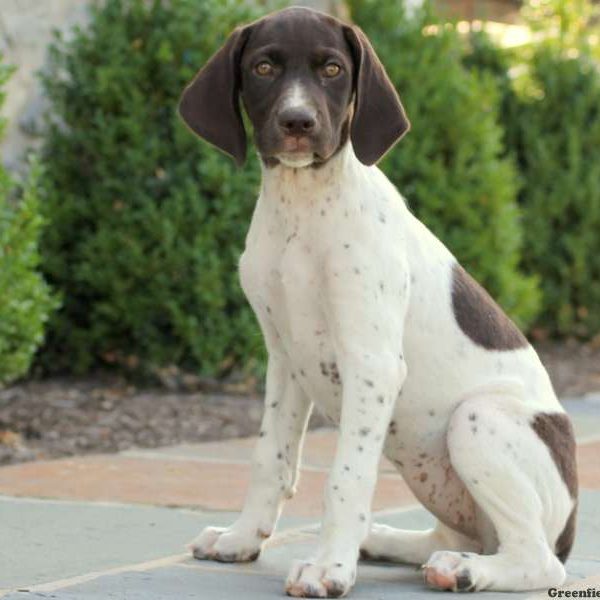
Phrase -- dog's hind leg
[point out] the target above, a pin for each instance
(413, 547)
(519, 467)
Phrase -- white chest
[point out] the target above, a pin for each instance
(283, 276)
(313, 231)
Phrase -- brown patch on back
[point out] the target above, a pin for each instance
(479, 317)
(556, 431)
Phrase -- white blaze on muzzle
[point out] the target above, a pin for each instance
(296, 98)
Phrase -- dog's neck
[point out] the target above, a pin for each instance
(328, 181)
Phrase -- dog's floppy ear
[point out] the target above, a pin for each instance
(210, 104)
(379, 119)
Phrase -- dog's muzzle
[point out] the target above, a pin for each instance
(298, 127)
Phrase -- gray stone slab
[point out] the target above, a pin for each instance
(42, 541)
(53, 540)
(179, 583)
(585, 414)
(588, 404)
(587, 540)
(264, 579)
(49, 540)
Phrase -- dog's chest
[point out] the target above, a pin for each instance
(282, 275)
(283, 272)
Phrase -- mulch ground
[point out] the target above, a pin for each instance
(65, 417)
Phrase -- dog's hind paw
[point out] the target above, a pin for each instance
(449, 571)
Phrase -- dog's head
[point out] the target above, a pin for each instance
(307, 81)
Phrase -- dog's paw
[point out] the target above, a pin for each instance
(227, 545)
(450, 571)
(312, 580)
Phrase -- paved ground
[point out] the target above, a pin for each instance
(116, 526)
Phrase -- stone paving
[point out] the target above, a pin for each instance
(116, 526)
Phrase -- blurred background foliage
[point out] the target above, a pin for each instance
(550, 110)
(145, 223)
(25, 300)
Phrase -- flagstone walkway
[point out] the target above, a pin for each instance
(116, 526)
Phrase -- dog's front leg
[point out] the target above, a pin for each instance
(368, 399)
(275, 467)
(368, 340)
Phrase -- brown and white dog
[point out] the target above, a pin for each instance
(366, 314)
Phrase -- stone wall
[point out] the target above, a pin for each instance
(25, 30)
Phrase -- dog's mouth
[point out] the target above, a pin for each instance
(297, 160)
(300, 144)
(297, 152)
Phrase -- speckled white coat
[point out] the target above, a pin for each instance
(354, 298)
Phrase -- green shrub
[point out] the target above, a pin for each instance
(555, 135)
(483, 55)
(148, 222)
(451, 166)
(552, 115)
(25, 299)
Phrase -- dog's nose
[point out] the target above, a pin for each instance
(297, 121)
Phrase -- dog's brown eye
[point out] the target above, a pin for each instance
(263, 69)
(331, 70)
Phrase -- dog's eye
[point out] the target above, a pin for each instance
(264, 69)
(332, 70)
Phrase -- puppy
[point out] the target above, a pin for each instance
(368, 315)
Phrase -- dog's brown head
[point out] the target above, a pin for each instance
(307, 81)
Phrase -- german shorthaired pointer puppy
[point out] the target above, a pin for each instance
(368, 315)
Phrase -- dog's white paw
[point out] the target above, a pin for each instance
(312, 580)
(451, 571)
(470, 572)
(227, 545)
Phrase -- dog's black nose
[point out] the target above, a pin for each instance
(297, 121)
